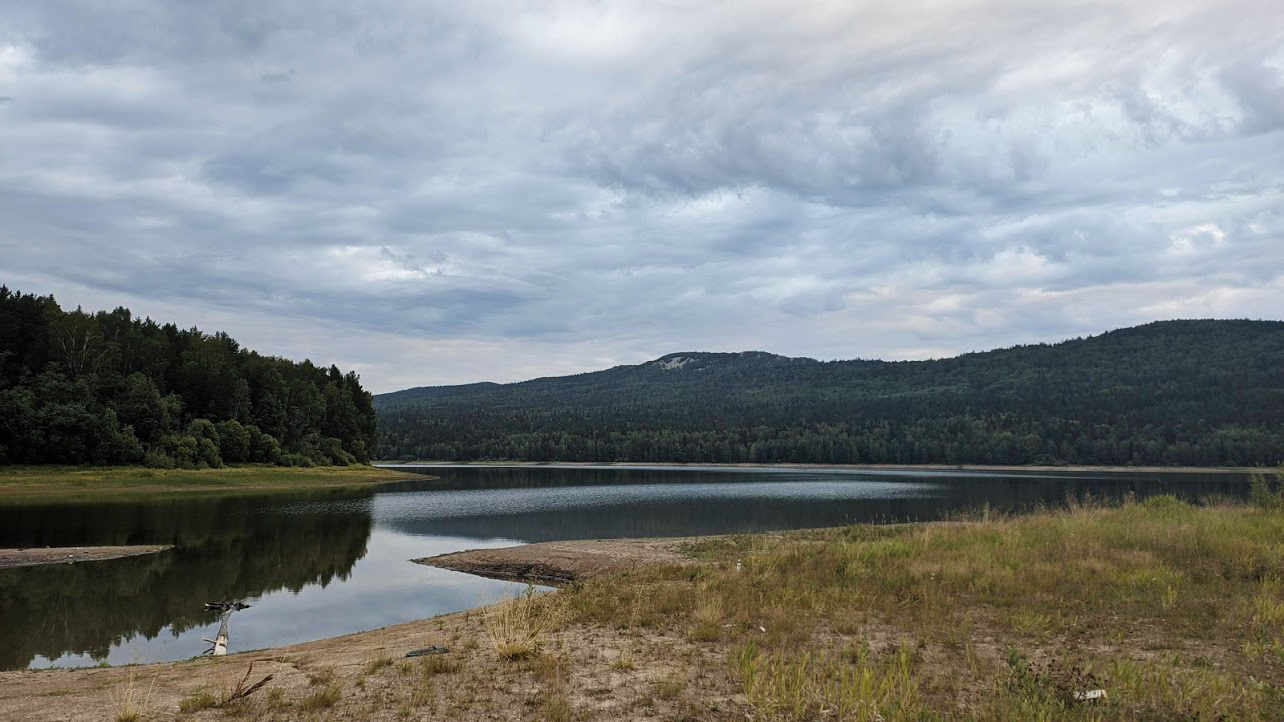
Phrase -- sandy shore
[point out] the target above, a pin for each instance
(557, 563)
(371, 670)
(10, 558)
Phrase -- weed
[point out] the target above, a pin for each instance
(438, 664)
(324, 698)
(554, 707)
(130, 703)
(670, 687)
(377, 664)
(199, 700)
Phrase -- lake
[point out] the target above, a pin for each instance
(317, 564)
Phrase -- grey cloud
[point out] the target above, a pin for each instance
(624, 179)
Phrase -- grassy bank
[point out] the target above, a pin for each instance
(1176, 611)
(44, 483)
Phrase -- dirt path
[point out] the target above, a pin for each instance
(557, 563)
(10, 558)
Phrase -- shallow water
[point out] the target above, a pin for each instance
(317, 564)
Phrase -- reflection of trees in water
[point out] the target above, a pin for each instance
(226, 552)
(177, 520)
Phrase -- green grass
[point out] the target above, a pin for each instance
(1176, 610)
(199, 700)
(46, 483)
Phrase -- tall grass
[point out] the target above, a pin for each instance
(516, 626)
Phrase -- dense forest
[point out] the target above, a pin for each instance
(1168, 393)
(109, 388)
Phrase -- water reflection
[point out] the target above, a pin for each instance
(224, 551)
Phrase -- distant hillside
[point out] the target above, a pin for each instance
(1173, 392)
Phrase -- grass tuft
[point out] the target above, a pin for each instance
(324, 698)
(516, 626)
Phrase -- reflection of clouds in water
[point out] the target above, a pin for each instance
(444, 504)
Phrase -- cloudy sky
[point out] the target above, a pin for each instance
(450, 192)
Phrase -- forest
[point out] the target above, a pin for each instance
(109, 388)
(1193, 393)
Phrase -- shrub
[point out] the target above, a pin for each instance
(1268, 493)
(156, 459)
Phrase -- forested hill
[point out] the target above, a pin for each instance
(108, 388)
(1172, 392)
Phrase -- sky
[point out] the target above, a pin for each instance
(448, 192)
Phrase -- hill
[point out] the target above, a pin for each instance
(109, 388)
(1194, 392)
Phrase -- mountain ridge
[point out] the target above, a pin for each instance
(1195, 392)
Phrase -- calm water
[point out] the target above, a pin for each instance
(320, 564)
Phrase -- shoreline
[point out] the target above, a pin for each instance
(83, 693)
(15, 558)
(870, 467)
(76, 483)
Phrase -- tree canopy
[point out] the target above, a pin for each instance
(1203, 392)
(110, 388)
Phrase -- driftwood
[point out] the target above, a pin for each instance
(241, 691)
(220, 640)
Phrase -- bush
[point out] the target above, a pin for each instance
(155, 459)
(1268, 493)
(295, 460)
(182, 449)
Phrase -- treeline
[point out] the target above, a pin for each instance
(1203, 393)
(109, 388)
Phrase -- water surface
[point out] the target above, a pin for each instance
(317, 564)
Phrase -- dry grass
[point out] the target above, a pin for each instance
(323, 698)
(199, 700)
(378, 663)
(1176, 610)
(516, 626)
(129, 700)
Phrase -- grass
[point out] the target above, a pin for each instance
(516, 626)
(46, 483)
(378, 663)
(323, 698)
(1176, 610)
(130, 702)
(199, 700)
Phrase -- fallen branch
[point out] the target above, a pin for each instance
(241, 691)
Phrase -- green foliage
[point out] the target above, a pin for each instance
(1268, 492)
(1197, 393)
(108, 388)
